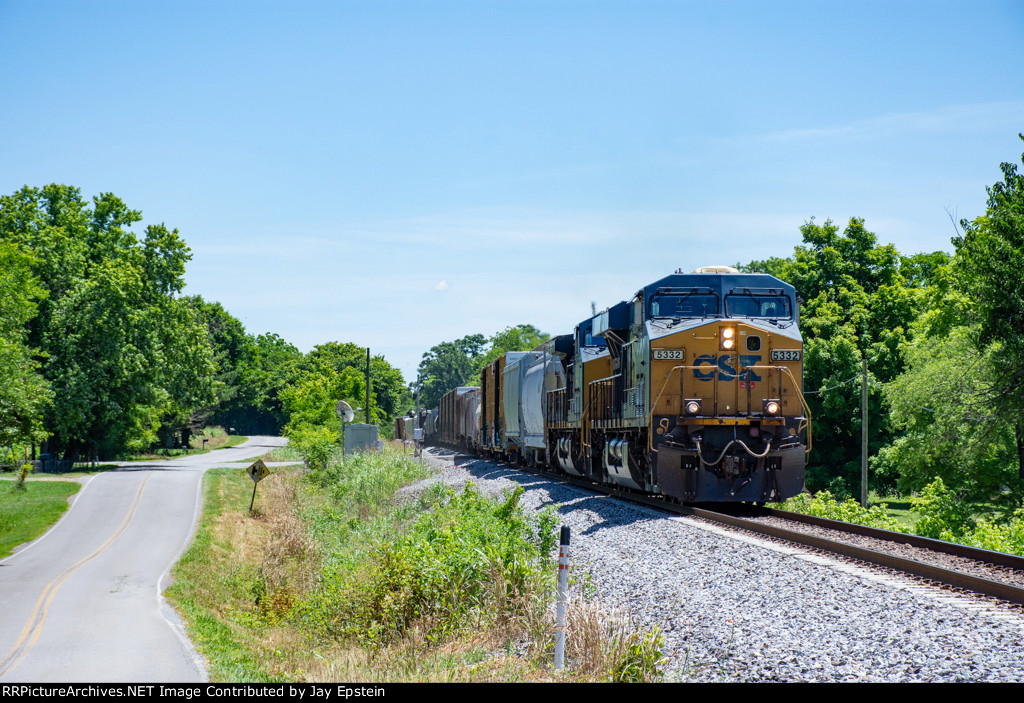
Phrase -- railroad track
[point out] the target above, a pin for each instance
(981, 571)
(993, 574)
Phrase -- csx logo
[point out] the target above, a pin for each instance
(723, 365)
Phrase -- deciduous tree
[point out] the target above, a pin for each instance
(448, 365)
(126, 360)
(989, 262)
(24, 393)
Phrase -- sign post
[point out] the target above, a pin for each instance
(257, 472)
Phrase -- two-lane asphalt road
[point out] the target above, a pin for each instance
(83, 603)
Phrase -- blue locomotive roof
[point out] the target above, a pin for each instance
(720, 283)
(700, 295)
(614, 318)
(719, 294)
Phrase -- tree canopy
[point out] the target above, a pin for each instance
(451, 364)
(861, 299)
(943, 337)
(126, 358)
(990, 258)
(24, 394)
(448, 365)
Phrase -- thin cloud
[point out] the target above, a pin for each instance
(952, 118)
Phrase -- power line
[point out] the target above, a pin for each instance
(878, 384)
(840, 385)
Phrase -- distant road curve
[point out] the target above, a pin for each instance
(83, 603)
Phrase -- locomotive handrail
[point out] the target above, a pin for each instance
(803, 401)
(604, 390)
(650, 415)
(584, 426)
(682, 367)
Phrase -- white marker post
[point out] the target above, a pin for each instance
(563, 588)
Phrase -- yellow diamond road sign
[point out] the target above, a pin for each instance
(258, 471)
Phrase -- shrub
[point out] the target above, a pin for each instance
(467, 560)
(316, 444)
(824, 504)
(640, 657)
(944, 515)
(1008, 537)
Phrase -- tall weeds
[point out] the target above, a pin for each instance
(467, 563)
(335, 579)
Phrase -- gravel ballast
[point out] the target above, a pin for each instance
(738, 608)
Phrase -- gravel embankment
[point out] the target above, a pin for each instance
(734, 608)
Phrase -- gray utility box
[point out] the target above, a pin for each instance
(360, 437)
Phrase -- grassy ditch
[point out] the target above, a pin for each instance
(29, 509)
(344, 575)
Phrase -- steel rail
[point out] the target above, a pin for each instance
(995, 589)
(956, 579)
(989, 556)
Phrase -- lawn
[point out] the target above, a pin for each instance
(28, 513)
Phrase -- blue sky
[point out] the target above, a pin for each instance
(397, 174)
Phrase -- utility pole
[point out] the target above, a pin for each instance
(367, 385)
(417, 433)
(864, 433)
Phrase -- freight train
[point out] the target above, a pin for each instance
(692, 389)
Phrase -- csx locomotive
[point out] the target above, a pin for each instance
(692, 389)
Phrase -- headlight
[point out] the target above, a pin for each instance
(771, 407)
(728, 337)
(691, 406)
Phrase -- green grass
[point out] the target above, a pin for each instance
(898, 508)
(208, 587)
(29, 513)
(233, 441)
(81, 471)
(286, 453)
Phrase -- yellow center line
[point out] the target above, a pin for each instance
(34, 625)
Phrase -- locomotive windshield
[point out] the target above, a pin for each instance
(684, 305)
(775, 307)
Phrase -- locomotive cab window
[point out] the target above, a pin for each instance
(775, 307)
(691, 305)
